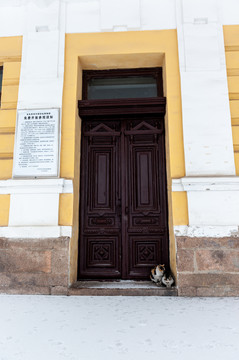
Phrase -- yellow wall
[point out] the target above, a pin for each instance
(180, 208)
(122, 50)
(231, 39)
(66, 209)
(10, 59)
(4, 209)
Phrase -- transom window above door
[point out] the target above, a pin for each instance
(122, 84)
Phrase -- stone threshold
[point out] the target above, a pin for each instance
(120, 288)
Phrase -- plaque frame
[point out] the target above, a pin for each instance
(57, 138)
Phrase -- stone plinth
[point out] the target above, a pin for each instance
(208, 266)
(34, 266)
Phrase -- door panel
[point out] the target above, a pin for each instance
(146, 250)
(100, 248)
(123, 199)
(144, 191)
(101, 185)
(146, 218)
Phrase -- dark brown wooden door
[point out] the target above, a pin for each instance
(123, 224)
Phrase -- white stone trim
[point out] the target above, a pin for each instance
(43, 51)
(34, 210)
(229, 11)
(206, 231)
(228, 183)
(38, 186)
(207, 133)
(35, 232)
(177, 185)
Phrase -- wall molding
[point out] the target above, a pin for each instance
(36, 186)
(225, 183)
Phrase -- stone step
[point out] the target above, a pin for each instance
(120, 288)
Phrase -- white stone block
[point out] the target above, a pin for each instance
(42, 69)
(42, 13)
(41, 55)
(229, 10)
(207, 133)
(213, 208)
(36, 186)
(11, 19)
(207, 183)
(35, 232)
(158, 14)
(199, 9)
(34, 210)
(83, 17)
(201, 47)
(119, 13)
(40, 94)
(207, 124)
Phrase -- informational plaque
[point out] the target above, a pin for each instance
(36, 152)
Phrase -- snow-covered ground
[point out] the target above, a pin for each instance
(132, 328)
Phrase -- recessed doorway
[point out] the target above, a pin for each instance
(123, 195)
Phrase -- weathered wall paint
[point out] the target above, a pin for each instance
(231, 38)
(120, 50)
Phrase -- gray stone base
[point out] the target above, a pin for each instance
(208, 266)
(34, 266)
(120, 288)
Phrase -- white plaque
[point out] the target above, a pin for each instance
(36, 152)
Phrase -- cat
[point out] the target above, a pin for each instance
(161, 275)
(167, 278)
(157, 274)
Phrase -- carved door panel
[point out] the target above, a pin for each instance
(146, 240)
(123, 199)
(100, 239)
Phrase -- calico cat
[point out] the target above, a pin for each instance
(157, 274)
(161, 275)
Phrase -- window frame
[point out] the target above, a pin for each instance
(124, 106)
(114, 73)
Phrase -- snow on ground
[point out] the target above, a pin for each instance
(112, 328)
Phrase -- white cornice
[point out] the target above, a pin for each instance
(38, 186)
(227, 183)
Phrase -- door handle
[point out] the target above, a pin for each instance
(126, 210)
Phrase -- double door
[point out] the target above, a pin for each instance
(123, 221)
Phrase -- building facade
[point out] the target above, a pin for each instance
(133, 180)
